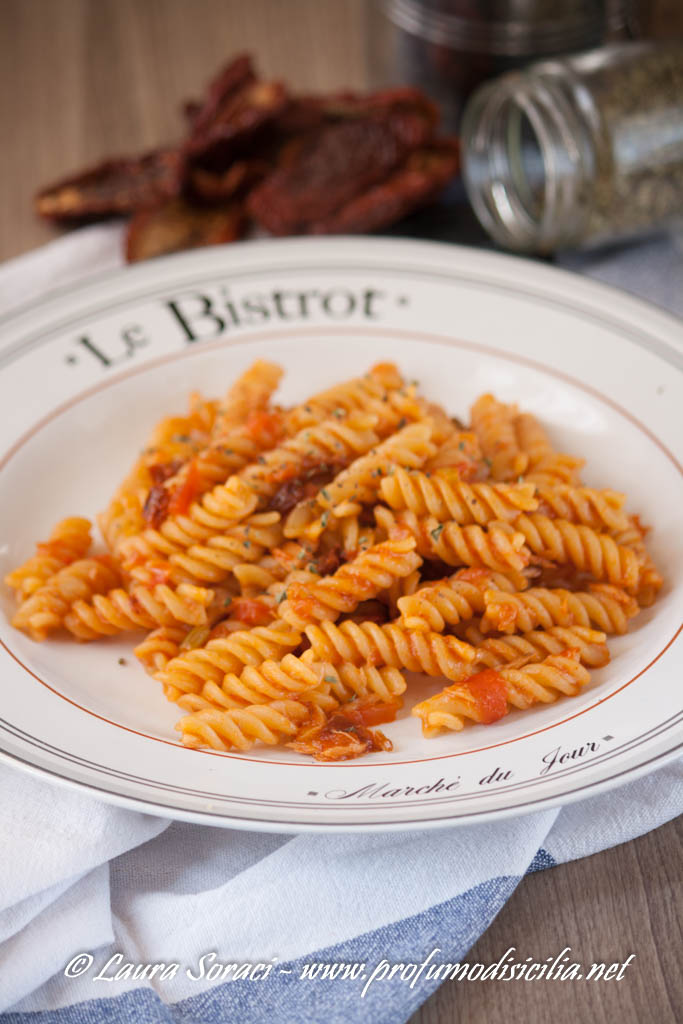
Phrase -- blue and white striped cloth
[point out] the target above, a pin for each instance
(87, 887)
(80, 877)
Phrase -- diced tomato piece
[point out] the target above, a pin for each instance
(187, 492)
(490, 694)
(264, 427)
(251, 611)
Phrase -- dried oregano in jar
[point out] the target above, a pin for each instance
(579, 151)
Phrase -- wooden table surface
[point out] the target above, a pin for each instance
(82, 79)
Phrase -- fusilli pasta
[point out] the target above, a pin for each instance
(494, 424)
(602, 606)
(448, 498)
(487, 696)
(292, 566)
(70, 540)
(48, 607)
(448, 602)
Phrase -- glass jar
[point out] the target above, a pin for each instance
(449, 47)
(578, 151)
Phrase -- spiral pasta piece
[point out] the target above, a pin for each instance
(364, 577)
(48, 607)
(251, 393)
(498, 547)
(602, 510)
(159, 647)
(385, 683)
(382, 392)
(366, 642)
(493, 423)
(220, 459)
(582, 546)
(532, 439)
(558, 468)
(650, 583)
(240, 728)
(69, 541)
(118, 611)
(519, 648)
(488, 696)
(218, 510)
(215, 560)
(602, 606)
(446, 497)
(460, 451)
(190, 670)
(651, 580)
(271, 680)
(400, 588)
(352, 535)
(361, 481)
(448, 602)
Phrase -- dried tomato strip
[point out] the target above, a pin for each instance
(113, 188)
(229, 80)
(215, 187)
(422, 177)
(333, 166)
(234, 124)
(176, 225)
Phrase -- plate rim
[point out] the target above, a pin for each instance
(246, 824)
(595, 295)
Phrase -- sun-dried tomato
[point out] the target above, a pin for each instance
(433, 571)
(232, 77)
(329, 561)
(562, 577)
(334, 165)
(370, 611)
(287, 496)
(215, 187)
(229, 128)
(420, 179)
(176, 226)
(411, 116)
(304, 484)
(155, 508)
(113, 188)
(161, 471)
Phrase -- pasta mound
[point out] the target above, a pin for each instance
(288, 566)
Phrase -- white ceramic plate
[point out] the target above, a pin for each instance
(86, 372)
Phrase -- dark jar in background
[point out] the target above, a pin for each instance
(579, 151)
(449, 47)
